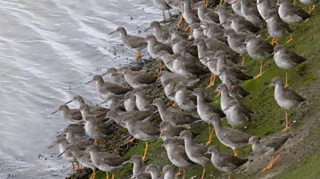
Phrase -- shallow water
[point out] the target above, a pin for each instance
(48, 49)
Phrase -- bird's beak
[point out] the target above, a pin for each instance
(69, 101)
(112, 32)
(55, 111)
(88, 82)
(270, 85)
(61, 154)
(147, 29)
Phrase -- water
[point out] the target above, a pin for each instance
(46, 47)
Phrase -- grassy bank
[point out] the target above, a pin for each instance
(268, 118)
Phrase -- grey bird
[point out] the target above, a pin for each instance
(285, 98)
(105, 88)
(93, 108)
(155, 47)
(213, 30)
(168, 172)
(167, 130)
(250, 12)
(224, 16)
(162, 5)
(180, 45)
(206, 14)
(154, 171)
(173, 116)
(143, 102)
(196, 152)
(290, 13)
(119, 117)
(236, 6)
(131, 41)
(177, 154)
(258, 49)
(242, 26)
(236, 42)
(276, 27)
(168, 59)
(105, 161)
(138, 170)
(115, 76)
(70, 115)
(130, 103)
(206, 110)
(230, 137)
(162, 34)
(142, 130)
(286, 59)
(268, 147)
(188, 14)
(225, 162)
(166, 75)
(266, 6)
(138, 79)
(184, 98)
(169, 88)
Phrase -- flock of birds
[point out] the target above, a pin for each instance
(216, 40)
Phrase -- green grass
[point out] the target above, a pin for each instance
(267, 118)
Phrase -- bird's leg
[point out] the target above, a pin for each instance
(160, 68)
(181, 21)
(212, 80)
(107, 175)
(174, 104)
(211, 131)
(203, 172)
(236, 152)
(221, 2)
(260, 72)
(164, 15)
(144, 157)
(287, 124)
(138, 55)
(274, 41)
(72, 167)
(313, 7)
(242, 59)
(131, 140)
(286, 83)
(169, 14)
(97, 142)
(218, 94)
(112, 176)
(206, 2)
(290, 38)
(271, 163)
(179, 173)
(184, 173)
(93, 174)
(188, 30)
(229, 176)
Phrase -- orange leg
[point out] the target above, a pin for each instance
(286, 83)
(174, 104)
(236, 152)
(218, 94)
(274, 41)
(160, 68)
(138, 56)
(271, 163)
(212, 80)
(221, 2)
(181, 21)
(287, 123)
(188, 30)
(179, 173)
(203, 173)
(289, 39)
(144, 157)
(242, 60)
(112, 176)
(97, 142)
(107, 175)
(206, 2)
(93, 174)
(211, 131)
(260, 71)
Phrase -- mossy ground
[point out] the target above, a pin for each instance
(267, 118)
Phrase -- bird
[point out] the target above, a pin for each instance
(236, 42)
(105, 161)
(276, 27)
(285, 98)
(242, 26)
(225, 162)
(162, 34)
(206, 110)
(230, 137)
(167, 130)
(131, 41)
(168, 172)
(138, 79)
(286, 59)
(142, 130)
(184, 98)
(138, 170)
(188, 14)
(174, 116)
(105, 88)
(130, 103)
(70, 115)
(266, 6)
(164, 6)
(115, 76)
(268, 147)
(258, 49)
(206, 14)
(177, 155)
(250, 12)
(154, 47)
(154, 171)
(196, 152)
(143, 102)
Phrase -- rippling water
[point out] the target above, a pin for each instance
(46, 47)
